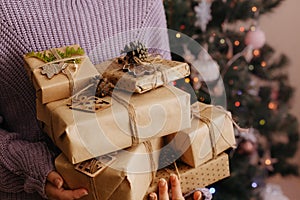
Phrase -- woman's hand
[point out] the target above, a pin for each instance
(175, 190)
(55, 191)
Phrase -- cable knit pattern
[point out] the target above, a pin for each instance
(101, 27)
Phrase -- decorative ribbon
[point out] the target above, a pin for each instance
(145, 65)
(149, 150)
(132, 117)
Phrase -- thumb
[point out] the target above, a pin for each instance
(55, 178)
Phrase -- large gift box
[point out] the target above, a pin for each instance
(164, 71)
(191, 178)
(84, 135)
(59, 72)
(126, 175)
(210, 134)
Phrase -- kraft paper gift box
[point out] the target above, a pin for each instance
(191, 178)
(84, 135)
(127, 177)
(59, 72)
(166, 71)
(210, 134)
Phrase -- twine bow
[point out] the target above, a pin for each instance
(197, 109)
(147, 66)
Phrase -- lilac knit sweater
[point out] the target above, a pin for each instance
(35, 25)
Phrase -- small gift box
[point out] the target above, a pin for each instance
(129, 120)
(59, 72)
(210, 134)
(192, 178)
(152, 74)
(126, 174)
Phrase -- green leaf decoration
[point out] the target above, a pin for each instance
(49, 57)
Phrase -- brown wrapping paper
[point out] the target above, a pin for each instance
(82, 135)
(192, 178)
(208, 136)
(58, 87)
(168, 71)
(128, 177)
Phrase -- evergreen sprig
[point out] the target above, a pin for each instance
(49, 57)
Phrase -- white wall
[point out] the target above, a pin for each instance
(282, 29)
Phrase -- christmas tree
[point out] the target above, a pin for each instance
(250, 78)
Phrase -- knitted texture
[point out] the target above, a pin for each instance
(101, 27)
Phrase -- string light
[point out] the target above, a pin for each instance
(178, 35)
(239, 92)
(187, 80)
(230, 82)
(182, 27)
(195, 79)
(272, 106)
(254, 9)
(201, 99)
(236, 43)
(256, 52)
(237, 104)
(262, 122)
(252, 28)
(268, 162)
(242, 29)
(222, 41)
(263, 63)
(251, 67)
(254, 185)
(212, 190)
(235, 68)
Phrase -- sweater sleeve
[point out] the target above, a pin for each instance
(25, 160)
(24, 165)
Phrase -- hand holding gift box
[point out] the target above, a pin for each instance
(191, 178)
(127, 176)
(211, 133)
(58, 73)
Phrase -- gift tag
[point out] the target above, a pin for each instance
(94, 166)
(89, 104)
(53, 69)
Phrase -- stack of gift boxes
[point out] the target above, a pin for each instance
(121, 144)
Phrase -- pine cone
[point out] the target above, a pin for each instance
(135, 49)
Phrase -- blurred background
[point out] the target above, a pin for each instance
(255, 46)
(282, 29)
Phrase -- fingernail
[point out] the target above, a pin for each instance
(152, 196)
(58, 183)
(198, 195)
(84, 193)
(162, 182)
(173, 177)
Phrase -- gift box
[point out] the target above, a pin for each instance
(210, 134)
(191, 178)
(126, 174)
(163, 72)
(58, 73)
(129, 120)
